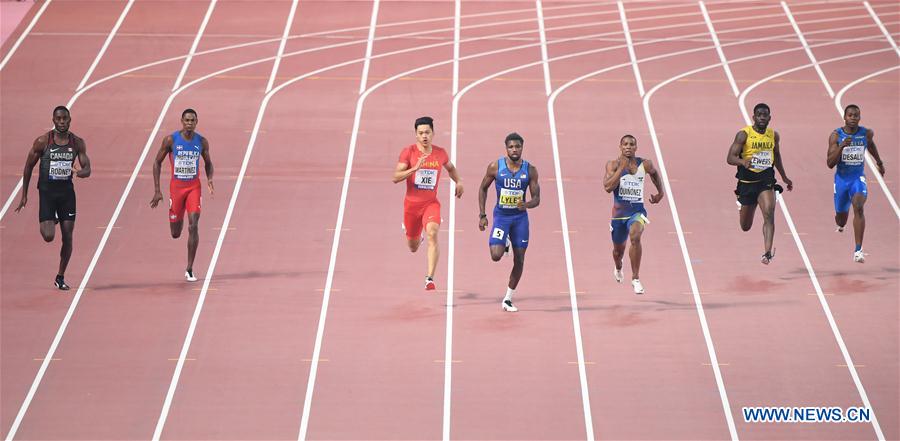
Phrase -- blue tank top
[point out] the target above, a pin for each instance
(510, 188)
(186, 156)
(628, 197)
(853, 157)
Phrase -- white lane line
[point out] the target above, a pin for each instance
(809, 53)
(715, 39)
(634, 64)
(284, 38)
(106, 43)
(372, 25)
(540, 16)
(451, 248)
(21, 38)
(838, 102)
(884, 30)
(190, 55)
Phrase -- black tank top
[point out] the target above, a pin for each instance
(56, 164)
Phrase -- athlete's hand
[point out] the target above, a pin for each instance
(880, 167)
(421, 161)
(789, 184)
(846, 142)
(22, 203)
(459, 190)
(209, 184)
(746, 162)
(482, 223)
(654, 199)
(156, 198)
(80, 173)
(521, 205)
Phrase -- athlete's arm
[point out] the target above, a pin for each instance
(834, 150)
(486, 182)
(734, 152)
(34, 155)
(870, 134)
(779, 165)
(83, 159)
(613, 173)
(164, 150)
(534, 187)
(403, 171)
(654, 176)
(207, 162)
(451, 171)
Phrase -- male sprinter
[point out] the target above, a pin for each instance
(56, 152)
(755, 151)
(185, 147)
(625, 180)
(420, 166)
(511, 176)
(847, 148)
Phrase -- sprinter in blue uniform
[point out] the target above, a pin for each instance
(511, 176)
(625, 180)
(847, 148)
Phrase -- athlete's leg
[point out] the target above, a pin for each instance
(840, 219)
(518, 266)
(635, 251)
(500, 234)
(66, 228)
(48, 230)
(841, 202)
(412, 224)
(859, 218)
(767, 208)
(193, 238)
(431, 235)
(497, 252)
(618, 253)
(746, 216)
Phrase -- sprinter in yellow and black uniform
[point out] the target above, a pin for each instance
(756, 154)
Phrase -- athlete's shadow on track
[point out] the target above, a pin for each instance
(177, 287)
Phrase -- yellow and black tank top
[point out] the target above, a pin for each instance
(760, 148)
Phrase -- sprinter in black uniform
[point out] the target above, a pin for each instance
(56, 152)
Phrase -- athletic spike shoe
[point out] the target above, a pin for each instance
(859, 257)
(508, 245)
(509, 307)
(617, 273)
(429, 284)
(60, 283)
(839, 230)
(638, 288)
(189, 276)
(767, 257)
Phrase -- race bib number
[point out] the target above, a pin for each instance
(497, 233)
(761, 160)
(510, 198)
(853, 155)
(631, 190)
(60, 170)
(426, 178)
(185, 167)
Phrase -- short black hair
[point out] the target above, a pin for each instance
(424, 120)
(627, 136)
(851, 106)
(186, 111)
(514, 137)
(58, 108)
(761, 106)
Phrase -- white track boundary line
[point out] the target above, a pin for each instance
(840, 108)
(18, 186)
(369, 44)
(543, 32)
(715, 38)
(106, 43)
(809, 53)
(884, 30)
(451, 247)
(27, 30)
(190, 55)
(634, 64)
(284, 38)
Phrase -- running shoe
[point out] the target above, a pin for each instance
(839, 230)
(429, 284)
(859, 257)
(638, 288)
(189, 276)
(60, 283)
(617, 273)
(508, 306)
(767, 257)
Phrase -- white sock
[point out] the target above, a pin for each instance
(509, 294)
